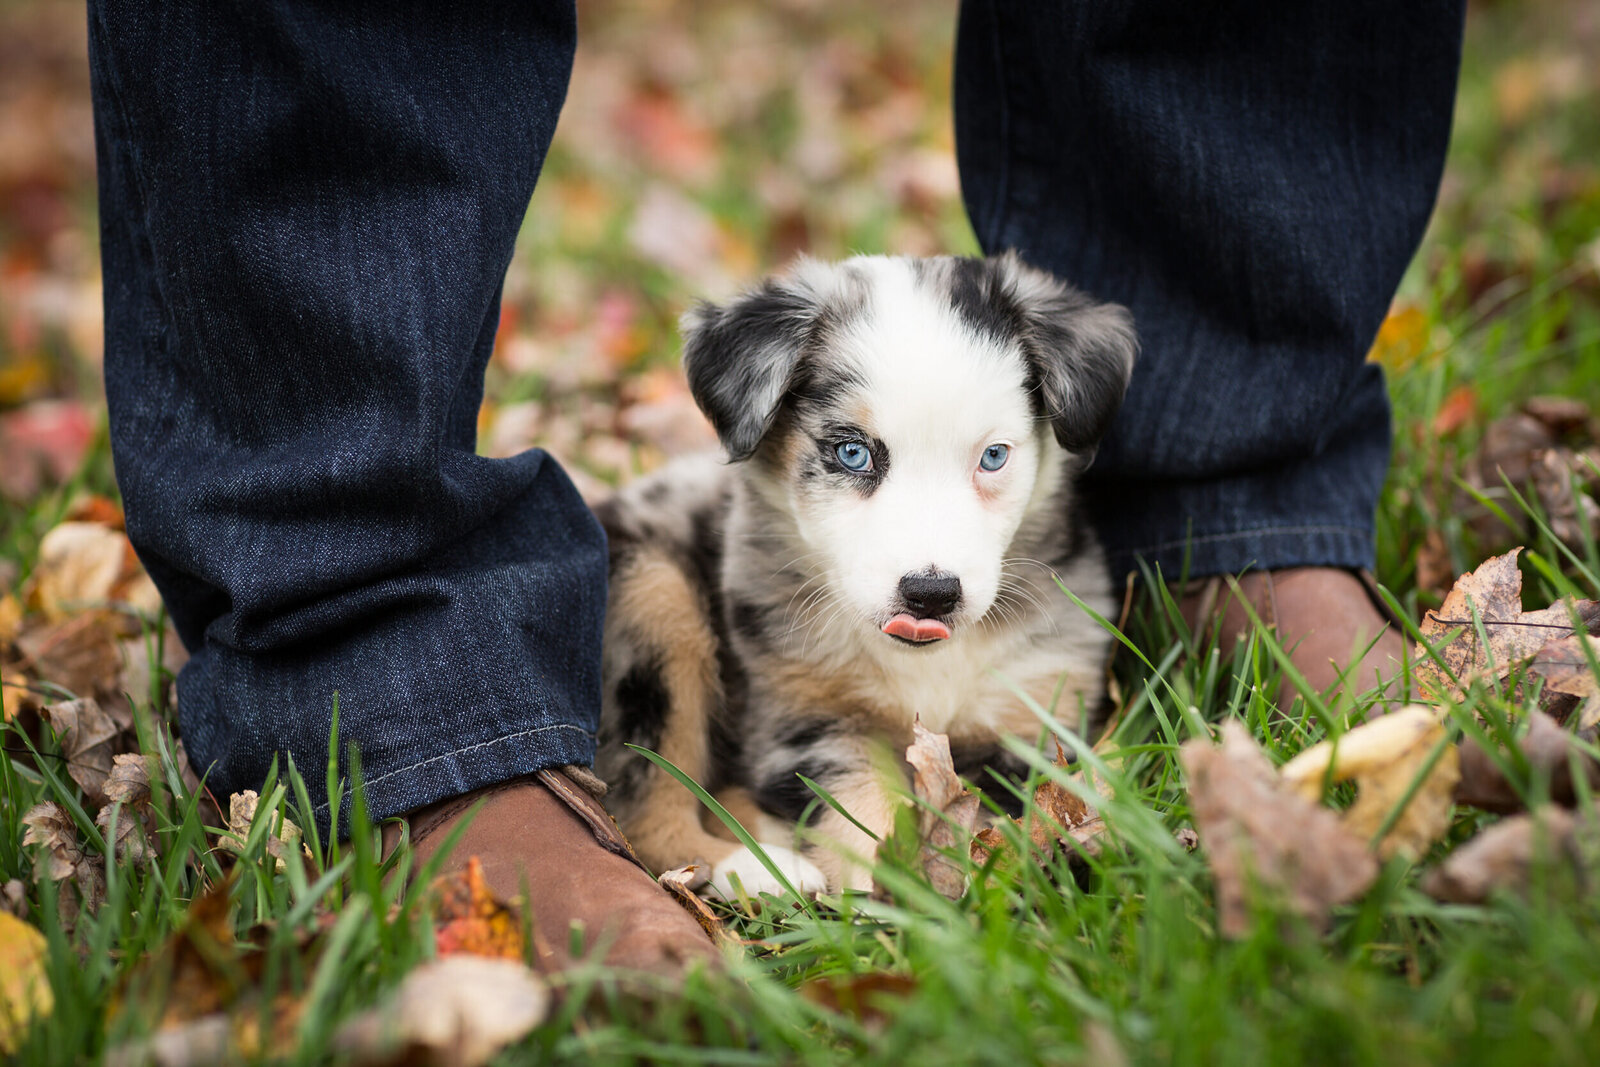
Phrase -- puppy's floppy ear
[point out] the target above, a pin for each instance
(1080, 352)
(741, 358)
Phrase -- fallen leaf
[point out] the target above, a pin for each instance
(1402, 338)
(951, 812)
(281, 838)
(79, 564)
(199, 971)
(25, 993)
(455, 1012)
(1458, 409)
(1550, 751)
(127, 792)
(14, 898)
(471, 920)
(1494, 593)
(66, 861)
(862, 997)
(1060, 815)
(1385, 756)
(1504, 857)
(1263, 839)
(682, 884)
(1563, 416)
(42, 444)
(80, 654)
(85, 733)
(1566, 667)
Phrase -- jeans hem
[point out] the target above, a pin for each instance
(1261, 548)
(471, 767)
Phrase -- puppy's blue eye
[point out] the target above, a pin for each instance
(994, 457)
(854, 455)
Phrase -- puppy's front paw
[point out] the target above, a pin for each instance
(743, 865)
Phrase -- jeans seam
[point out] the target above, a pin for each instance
(370, 782)
(1239, 535)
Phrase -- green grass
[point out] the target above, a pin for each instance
(1074, 961)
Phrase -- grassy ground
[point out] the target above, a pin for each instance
(704, 144)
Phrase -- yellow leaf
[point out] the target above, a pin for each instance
(1384, 757)
(1402, 338)
(24, 991)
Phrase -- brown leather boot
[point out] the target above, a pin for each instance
(549, 833)
(1325, 617)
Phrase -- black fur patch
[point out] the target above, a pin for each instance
(643, 703)
(784, 794)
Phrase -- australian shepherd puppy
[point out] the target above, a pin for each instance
(881, 542)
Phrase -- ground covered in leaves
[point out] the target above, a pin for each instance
(1236, 871)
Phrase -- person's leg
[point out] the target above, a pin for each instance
(1251, 180)
(306, 216)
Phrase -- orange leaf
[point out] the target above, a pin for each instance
(472, 920)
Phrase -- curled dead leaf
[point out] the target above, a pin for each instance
(946, 824)
(66, 860)
(1550, 751)
(683, 885)
(281, 837)
(1504, 857)
(1567, 667)
(1263, 840)
(1386, 757)
(127, 793)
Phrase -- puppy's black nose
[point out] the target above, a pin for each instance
(928, 598)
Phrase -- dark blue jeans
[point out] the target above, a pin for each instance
(307, 212)
(1251, 178)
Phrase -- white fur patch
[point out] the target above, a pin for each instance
(755, 879)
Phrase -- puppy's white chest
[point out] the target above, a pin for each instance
(952, 689)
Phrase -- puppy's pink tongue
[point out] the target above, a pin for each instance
(914, 629)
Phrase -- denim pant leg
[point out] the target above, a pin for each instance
(1251, 178)
(306, 216)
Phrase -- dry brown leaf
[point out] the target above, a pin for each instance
(1494, 591)
(471, 920)
(129, 787)
(1549, 750)
(79, 654)
(85, 733)
(1384, 757)
(458, 1011)
(948, 825)
(682, 885)
(1060, 815)
(1261, 837)
(1564, 665)
(282, 836)
(25, 993)
(860, 996)
(67, 862)
(199, 972)
(1504, 857)
(14, 898)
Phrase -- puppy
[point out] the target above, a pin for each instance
(880, 543)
